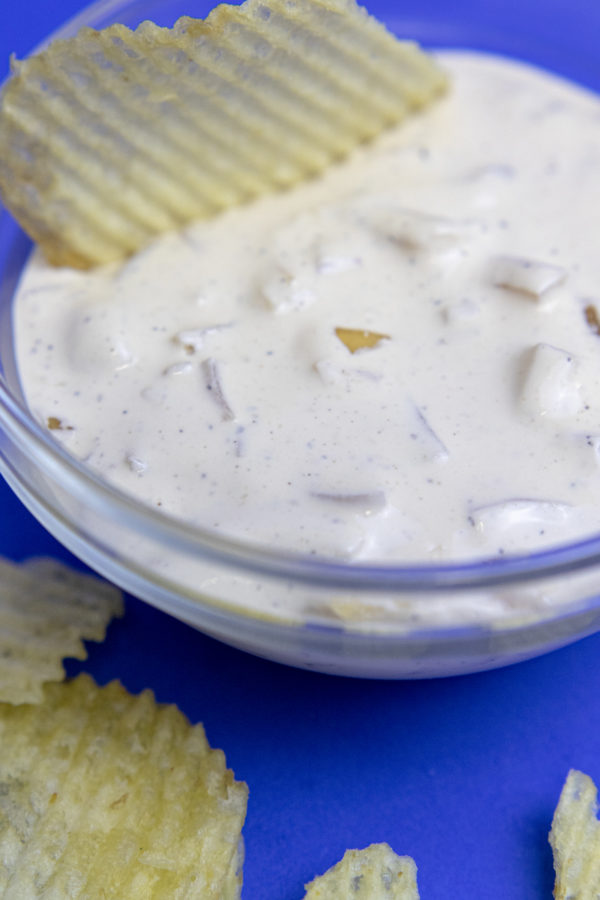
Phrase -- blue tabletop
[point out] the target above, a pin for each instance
(462, 774)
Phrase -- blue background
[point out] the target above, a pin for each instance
(464, 773)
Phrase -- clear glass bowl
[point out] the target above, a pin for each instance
(375, 621)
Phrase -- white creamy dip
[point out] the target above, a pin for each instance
(206, 376)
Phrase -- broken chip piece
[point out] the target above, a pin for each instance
(575, 840)
(355, 339)
(375, 873)
(110, 795)
(112, 137)
(46, 611)
(592, 318)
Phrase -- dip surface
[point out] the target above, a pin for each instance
(399, 361)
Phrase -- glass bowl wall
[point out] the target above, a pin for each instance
(394, 621)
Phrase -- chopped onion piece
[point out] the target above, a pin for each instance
(526, 276)
(286, 292)
(180, 368)
(332, 256)
(331, 374)
(368, 503)
(509, 514)
(422, 231)
(551, 386)
(212, 376)
(428, 446)
(124, 356)
(136, 464)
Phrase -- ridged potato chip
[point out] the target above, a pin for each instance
(46, 609)
(113, 796)
(575, 840)
(375, 873)
(112, 137)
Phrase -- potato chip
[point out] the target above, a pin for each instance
(113, 796)
(575, 840)
(46, 609)
(375, 873)
(112, 137)
(355, 339)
